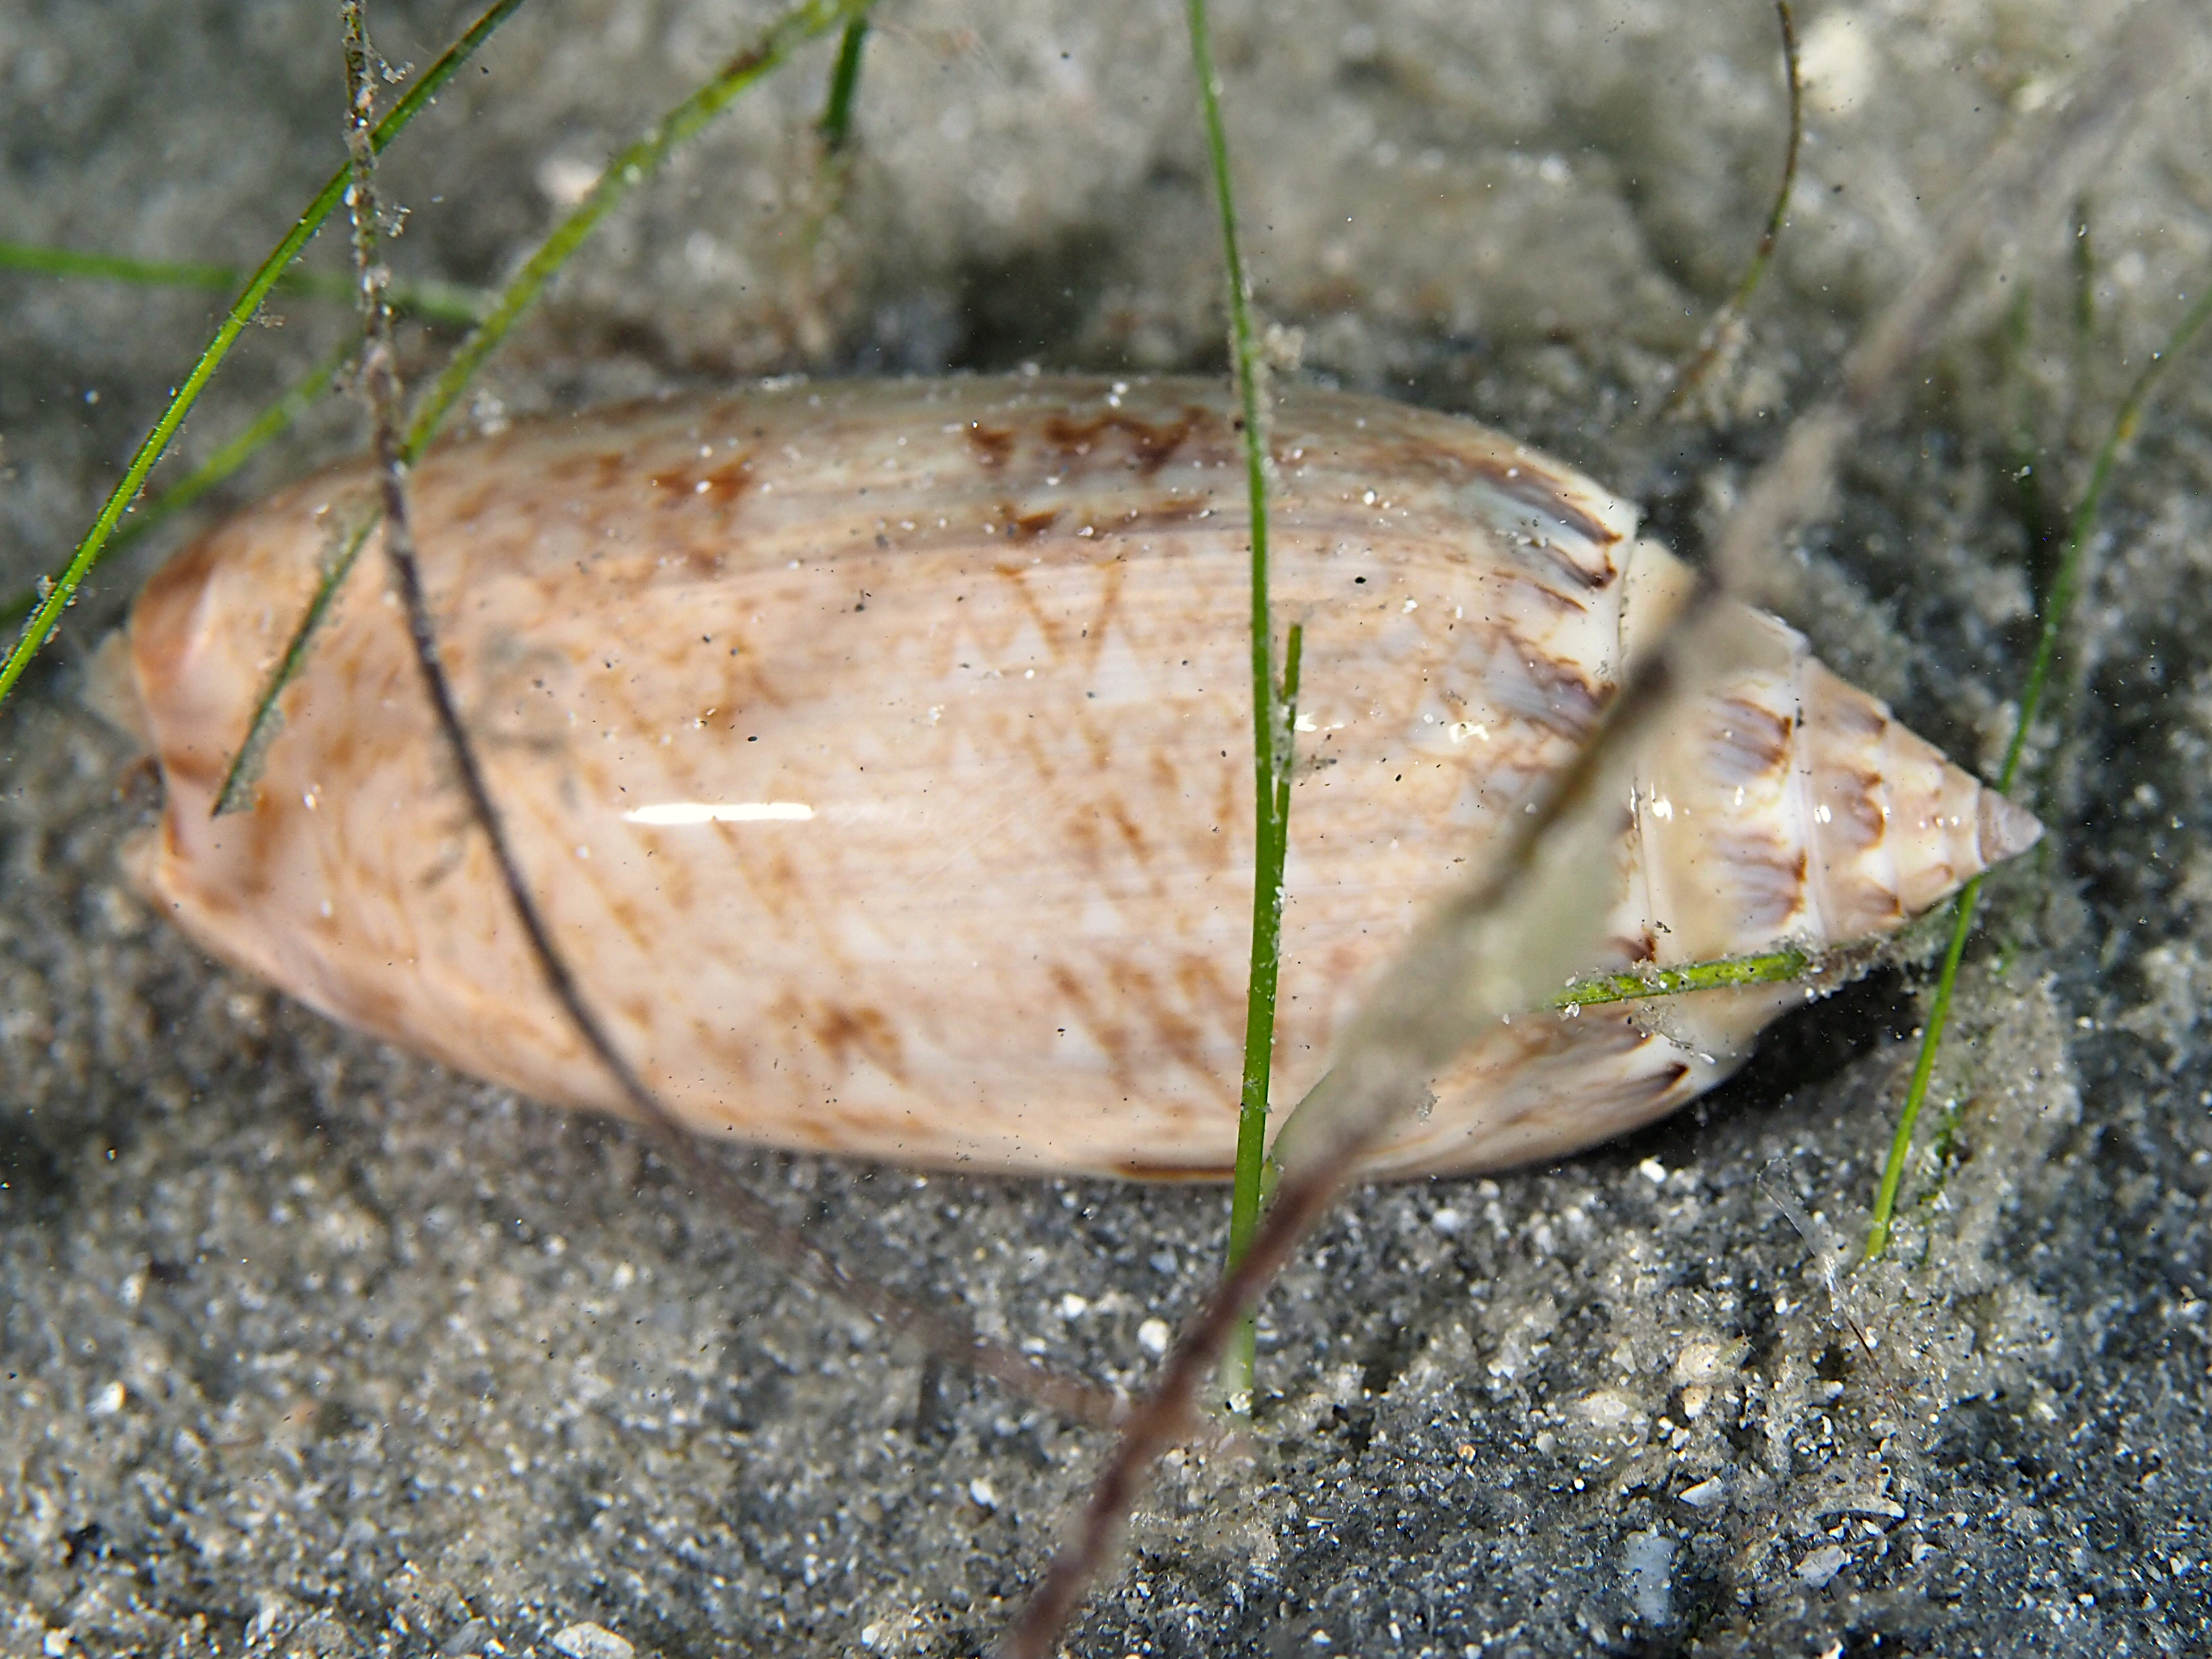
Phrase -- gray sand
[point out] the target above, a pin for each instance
(311, 1348)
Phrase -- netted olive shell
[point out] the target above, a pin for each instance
(881, 755)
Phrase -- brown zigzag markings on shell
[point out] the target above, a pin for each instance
(881, 755)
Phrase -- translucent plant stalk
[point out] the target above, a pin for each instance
(1723, 337)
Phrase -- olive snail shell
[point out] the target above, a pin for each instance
(880, 753)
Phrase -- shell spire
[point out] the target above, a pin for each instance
(1790, 804)
(1898, 828)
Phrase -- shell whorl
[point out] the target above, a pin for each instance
(880, 752)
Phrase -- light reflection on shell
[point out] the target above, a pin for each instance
(880, 753)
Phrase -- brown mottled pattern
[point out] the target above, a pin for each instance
(880, 754)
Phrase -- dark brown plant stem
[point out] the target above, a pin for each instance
(1398, 1043)
(938, 1333)
(1165, 1415)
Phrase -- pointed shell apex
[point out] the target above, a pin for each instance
(2005, 829)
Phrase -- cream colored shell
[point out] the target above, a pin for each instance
(881, 755)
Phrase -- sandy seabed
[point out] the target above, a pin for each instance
(308, 1347)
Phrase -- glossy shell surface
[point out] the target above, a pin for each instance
(881, 754)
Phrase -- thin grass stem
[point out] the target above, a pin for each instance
(1782, 967)
(244, 771)
(836, 126)
(1722, 337)
(1270, 725)
(2057, 610)
(438, 302)
(62, 592)
(637, 162)
(628, 169)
